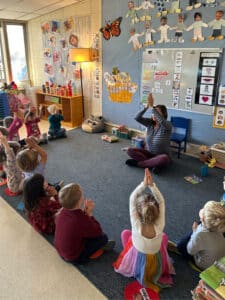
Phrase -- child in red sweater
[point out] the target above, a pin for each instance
(78, 234)
(41, 203)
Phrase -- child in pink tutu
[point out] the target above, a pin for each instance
(145, 254)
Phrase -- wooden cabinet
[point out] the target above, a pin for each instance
(71, 107)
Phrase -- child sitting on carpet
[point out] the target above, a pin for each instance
(14, 175)
(205, 243)
(78, 234)
(41, 204)
(55, 118)
(33, 161)
(31, 120)
(145, 254)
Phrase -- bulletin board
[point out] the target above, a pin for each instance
(173, 76)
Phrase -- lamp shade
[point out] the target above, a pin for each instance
(82, 54)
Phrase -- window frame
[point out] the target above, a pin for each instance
(5, 47)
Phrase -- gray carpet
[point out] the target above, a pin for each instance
(100, 169)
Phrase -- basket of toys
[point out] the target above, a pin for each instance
(218, 152)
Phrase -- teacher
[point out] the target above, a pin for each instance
(157, 141)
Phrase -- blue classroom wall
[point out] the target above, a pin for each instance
(118, 53)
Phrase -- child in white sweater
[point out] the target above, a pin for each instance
(145, 254)
(206, 243)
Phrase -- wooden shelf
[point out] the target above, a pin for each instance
(71, 107)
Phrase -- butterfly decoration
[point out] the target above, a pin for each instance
(111, 29)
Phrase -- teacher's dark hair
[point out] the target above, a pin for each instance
(163, 110)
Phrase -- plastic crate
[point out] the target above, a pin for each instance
(4, 105)
(218, 154)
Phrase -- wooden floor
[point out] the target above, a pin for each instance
(30, 268)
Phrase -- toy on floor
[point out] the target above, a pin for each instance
(110, 138)
(135, 291)
(122, 132)
(212, 163)
(94, 124)
(10, 193)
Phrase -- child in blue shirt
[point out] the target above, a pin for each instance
(55, 118)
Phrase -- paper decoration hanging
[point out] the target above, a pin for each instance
(145, 7)
(197, 28)
(111, 29)
(134, 38)
(132, 13)
(120, 87)
(216, 26)
(175, 7)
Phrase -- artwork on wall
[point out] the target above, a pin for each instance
(120, 86)
(208, 76)
(221, 97)
(111, 29)
(219, 117)
(57, 38)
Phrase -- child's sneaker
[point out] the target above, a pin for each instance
(172, 247)
(109, 246)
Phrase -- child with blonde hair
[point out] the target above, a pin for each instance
(78, 234)
(206, 243)
(55, 118)
(33, 161)
(145, 254)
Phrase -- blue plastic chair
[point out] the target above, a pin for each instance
(179, 133)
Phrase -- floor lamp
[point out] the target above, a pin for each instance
(80, 55)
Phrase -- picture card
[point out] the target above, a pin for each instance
(221, 97)
(175, 104)
(209, 62)
(208, 71)
(177, 77)
(205, 99)
(206, 89)
(179, 54)
(208, 80)
(189, 92)
(220, 117)
(177, 69)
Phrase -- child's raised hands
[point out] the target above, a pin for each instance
(89, 206)
(150, 100)
(148, 178)
(31, 143)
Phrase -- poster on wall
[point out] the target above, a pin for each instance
(219, 117)
(208, 78)
(120, 86)
(57, 38)
(221, 97)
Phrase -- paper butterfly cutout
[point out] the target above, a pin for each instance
(111, 29)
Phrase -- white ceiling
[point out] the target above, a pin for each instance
(25, 10)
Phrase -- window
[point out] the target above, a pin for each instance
(13, 53)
